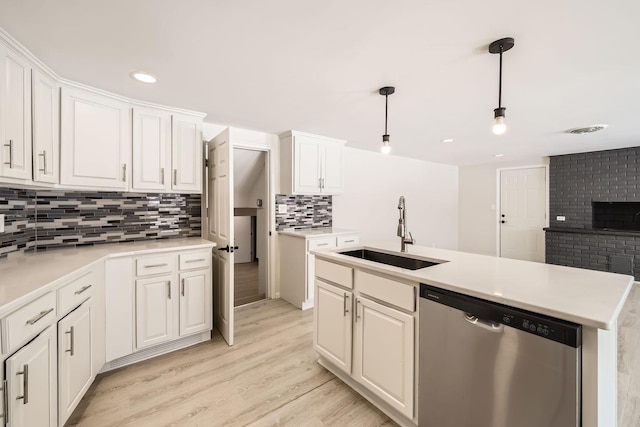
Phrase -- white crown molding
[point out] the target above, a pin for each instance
(18, 48)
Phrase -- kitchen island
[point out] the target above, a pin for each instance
(347, 286)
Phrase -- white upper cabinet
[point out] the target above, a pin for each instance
(311, 164)
(151, 149)
(46, 128)
(95, 140)
(186, 148)
(15, 115)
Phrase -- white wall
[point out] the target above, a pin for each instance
(373, 184)
(477, 202)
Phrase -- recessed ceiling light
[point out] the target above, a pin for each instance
(143, 77)
(447, 140)
(587, 129)
(498, 155)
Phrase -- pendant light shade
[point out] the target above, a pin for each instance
(386, 91)
(499, 47)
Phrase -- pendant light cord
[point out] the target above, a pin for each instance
(386, 104)
(500, 81)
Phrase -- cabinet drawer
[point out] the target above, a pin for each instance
(160, 264)
(350, 240)
(395, 293)
(335, 273)
(75, 292)
(193, 260)
(322, 243)
(28, 321)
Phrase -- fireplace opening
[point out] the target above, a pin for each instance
(616, 215)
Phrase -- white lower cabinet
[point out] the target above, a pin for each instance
(155, 313)
(365, 327)
(332, 338)
(196, 314)
(74, 359)
(297, 264)
(31, 383)
(384, 353)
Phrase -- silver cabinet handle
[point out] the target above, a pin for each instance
(357, 314)
(71, 350)
(175, 177)
(82, 289)
(322, 182)
(156, 265)
(182, 287)
(5, 402)
(25, 382)
(322, 244)
(44, 162)
(39, 316)
(162, 176)
(189, 261)
(349, 241)
(10, 162)
(346, 298)
(124, 172)
(169, 288)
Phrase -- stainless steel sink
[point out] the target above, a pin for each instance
(389, 259)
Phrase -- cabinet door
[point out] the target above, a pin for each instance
(306, 165)
(95, 140)
(151, 136)
(31, 376)
(332, 169)
(15, 115)
(186, 143)
(46, 136)
(74, 359)
(332, 333)
(384, 353)
(196, 302)
(154, 311)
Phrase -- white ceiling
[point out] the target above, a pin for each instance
(317, 66)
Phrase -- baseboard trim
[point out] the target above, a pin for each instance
(151, 352)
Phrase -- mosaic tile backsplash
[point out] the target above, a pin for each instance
(303, 212)
(44, 219)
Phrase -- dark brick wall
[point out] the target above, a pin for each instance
(591, 251)
(577, 180)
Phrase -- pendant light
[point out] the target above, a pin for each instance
(386, 91)
(499, 47)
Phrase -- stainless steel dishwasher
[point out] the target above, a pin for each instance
(484, 364)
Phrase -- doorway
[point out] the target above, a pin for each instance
(522, 198)
(249, 194)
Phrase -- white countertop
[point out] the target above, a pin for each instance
(25, 276)
(318, 232)
(587, 297)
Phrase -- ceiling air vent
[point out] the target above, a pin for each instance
(588, 129)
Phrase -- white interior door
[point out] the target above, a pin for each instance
(220, 230)
(523, 213)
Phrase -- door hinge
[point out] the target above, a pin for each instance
(206, 163)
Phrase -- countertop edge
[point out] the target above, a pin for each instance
(413, 277)
(300, 233)
(43, 288)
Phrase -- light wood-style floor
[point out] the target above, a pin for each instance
(246, 284)
(270, 377)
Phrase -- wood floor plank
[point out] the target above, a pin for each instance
(271, 377)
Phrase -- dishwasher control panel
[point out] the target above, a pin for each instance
(547, 327)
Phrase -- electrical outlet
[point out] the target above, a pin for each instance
(2, 223)
(282, 209)
(560, 218)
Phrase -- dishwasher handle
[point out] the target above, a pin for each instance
(485, 324)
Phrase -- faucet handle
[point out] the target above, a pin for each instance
(409, 239)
